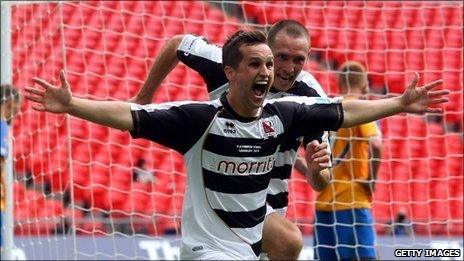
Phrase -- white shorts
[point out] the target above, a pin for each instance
(223, 252)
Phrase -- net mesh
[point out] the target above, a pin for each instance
(74, 178)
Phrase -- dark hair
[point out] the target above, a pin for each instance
(291, 27)
(231, 55)
(351, 74)
(7, 92)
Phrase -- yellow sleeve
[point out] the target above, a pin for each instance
(369, 129)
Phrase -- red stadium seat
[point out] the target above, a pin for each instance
(161, 202)
(34, 201)
(19, 192)
(454, 143)
(421, 212)
(117, 199)
(53, 209)
(136, 202)
(97, 197)
(415, 60)
(416, 148)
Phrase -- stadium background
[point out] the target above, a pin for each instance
(71, 173)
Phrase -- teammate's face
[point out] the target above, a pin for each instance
(253, 77)
(290, 55)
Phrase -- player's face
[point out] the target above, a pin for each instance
(290, 55)
(254, 75)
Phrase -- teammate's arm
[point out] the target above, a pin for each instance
(164, 63)
(314, 180)
(196, 53)
(300, 165)
(115, 114)
(413, 100)
(317, 160)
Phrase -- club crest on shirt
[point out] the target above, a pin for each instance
(268, 127)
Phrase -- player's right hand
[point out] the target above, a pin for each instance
(317, 156)
(51, 98)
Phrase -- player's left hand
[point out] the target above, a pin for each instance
(419, 99)
(317, 156)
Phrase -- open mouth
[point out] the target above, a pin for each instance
(288, 78)
(259, 88)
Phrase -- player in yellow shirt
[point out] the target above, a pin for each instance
(344, 227)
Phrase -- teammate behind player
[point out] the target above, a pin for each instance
(225, 201)
(344, 225)
(290, 43)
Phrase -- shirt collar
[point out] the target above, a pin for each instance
(231, 111)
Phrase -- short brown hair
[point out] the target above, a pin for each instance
(351, 74)
(291, 27)
(231, 55)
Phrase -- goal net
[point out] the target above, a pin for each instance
(89, 192)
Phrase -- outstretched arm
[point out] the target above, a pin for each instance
(162, 66)
(413, 100)
(317, 160)
(55, 99)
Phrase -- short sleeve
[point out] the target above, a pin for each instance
(319, 136)
(317, 114)
(205, 58)
(177, 125)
